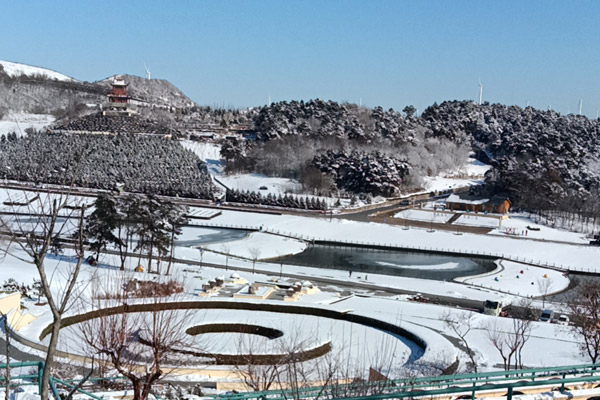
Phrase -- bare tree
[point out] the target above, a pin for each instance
(510, 341)
(140, 342)
(461, 323)
(7, 340)
(295, 373)
(499, 339)
(256, 375)
(254, 254)
(544, 286)
(225, 249)
(31, 239)
(280, 255)
(584, 310)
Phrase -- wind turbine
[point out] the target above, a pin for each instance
(480, 91)
(147, 72)
(580, 105)
(269, 100)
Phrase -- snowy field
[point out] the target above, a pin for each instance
(519, 223)
(470, 174)
(478, 220)
(254, 182)
(19, 122)
(412, 316)
(521, 279)
(424, 215)
(260, 245)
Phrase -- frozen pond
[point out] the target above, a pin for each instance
(397, 263)
(200, 236)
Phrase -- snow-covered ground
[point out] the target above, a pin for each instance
(18, 122)
(260, 246)
(478, 220)
(470, 174)
(572, 256)
(305, 331)
(439, 183)
(437, 217)
(209, 152)
(520, 223)
(516, 225)
(521, 279)
(549, 344)
(254, 183)
(421, 319)
(17, 69)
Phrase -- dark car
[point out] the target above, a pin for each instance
(546, 316)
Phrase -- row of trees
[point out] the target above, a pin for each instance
(116, 221)
(288, 201)
(139, 164)
(133, 124)
(144, 224)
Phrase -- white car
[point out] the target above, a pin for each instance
(562, 320)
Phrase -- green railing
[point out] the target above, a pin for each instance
(555, 377)
(471, 384)
(36, 379)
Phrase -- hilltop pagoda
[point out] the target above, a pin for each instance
(118, 100)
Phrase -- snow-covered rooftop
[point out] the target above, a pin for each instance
(455, 198)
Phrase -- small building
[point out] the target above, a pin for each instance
(466, 202)
(118, 100)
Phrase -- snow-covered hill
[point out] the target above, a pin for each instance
(157, 92)
(16, 69)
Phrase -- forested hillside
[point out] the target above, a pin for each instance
(359, 150)
(140, 164)
(540, 158)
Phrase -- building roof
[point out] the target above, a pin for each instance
(495, 200)
(466, 199)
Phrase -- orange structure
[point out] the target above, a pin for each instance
(496, 204)
(118, 100)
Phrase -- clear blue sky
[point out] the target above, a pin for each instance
(389, 53)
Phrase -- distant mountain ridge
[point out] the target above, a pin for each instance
(37, 90)
(14, 69)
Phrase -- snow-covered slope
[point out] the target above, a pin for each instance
(17, 69)
(18, 122)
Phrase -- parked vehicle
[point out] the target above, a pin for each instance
(563, 320)
(547, 316)
(493, 307)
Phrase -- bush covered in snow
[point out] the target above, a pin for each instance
(320, 118)
(373, 173)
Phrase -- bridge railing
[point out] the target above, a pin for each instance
(438, 385)
(35, 379)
